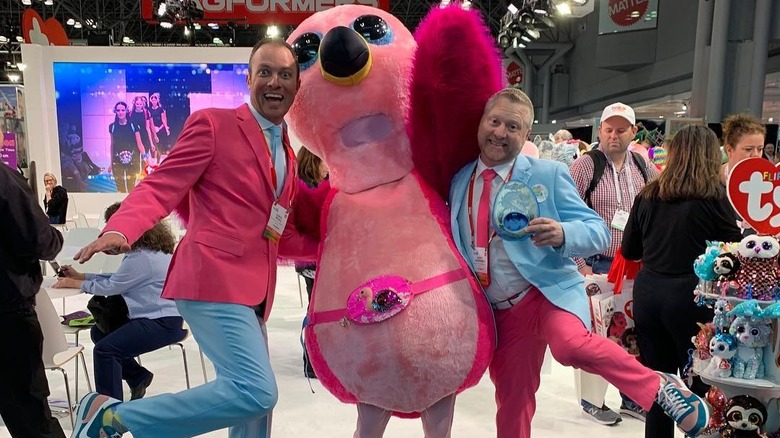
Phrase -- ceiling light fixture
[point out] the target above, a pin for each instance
(563, 8)
(272, 31)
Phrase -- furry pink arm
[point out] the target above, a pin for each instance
(456, 69)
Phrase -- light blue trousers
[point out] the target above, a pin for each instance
(242, 395)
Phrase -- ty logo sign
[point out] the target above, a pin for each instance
(754, 191)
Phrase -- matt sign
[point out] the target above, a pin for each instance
(263, 11)
(514, 73)
(626, 15)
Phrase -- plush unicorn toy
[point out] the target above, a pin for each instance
(397, 321)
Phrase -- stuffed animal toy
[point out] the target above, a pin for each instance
(704, 265)
(758, 272)
(745, 417)
(397, 321)
(702, 340)
(722, 320)
(752, 336)
(723, 347)
(717, 400)
(726, 266)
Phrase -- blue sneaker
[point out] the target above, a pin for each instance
(89, 418)
(687, 409)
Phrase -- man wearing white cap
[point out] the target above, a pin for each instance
(608, 179)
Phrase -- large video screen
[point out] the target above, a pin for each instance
(118, 121)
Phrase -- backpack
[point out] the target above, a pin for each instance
(109, 312)
(600, 163)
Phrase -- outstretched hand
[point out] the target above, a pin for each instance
(109, 243)
(545, 232)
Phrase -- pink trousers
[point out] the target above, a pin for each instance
(524, 331)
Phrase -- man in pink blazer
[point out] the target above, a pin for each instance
(231, 176)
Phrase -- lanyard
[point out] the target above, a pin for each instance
(618, 190)
(471, 201)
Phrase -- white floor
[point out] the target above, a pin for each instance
(312, 412)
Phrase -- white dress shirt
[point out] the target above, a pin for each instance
(505, 280)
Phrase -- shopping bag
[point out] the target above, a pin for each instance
(603, 308)
(599, 292)
(621, 327)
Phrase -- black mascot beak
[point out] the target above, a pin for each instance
(345, 58)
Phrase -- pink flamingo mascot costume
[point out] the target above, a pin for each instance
(397, 323)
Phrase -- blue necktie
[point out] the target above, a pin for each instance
(277, 153)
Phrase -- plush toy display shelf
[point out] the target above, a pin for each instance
(739, 395)
(738, 352)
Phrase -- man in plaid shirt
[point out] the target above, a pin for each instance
(612, 199)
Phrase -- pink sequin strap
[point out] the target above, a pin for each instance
(383, 297)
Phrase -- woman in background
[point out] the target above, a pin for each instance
(127, 149)
(159, 127)
(55, 201)
(312, 171)
(143, 120)
(664, 313)
(743, 138)
(153, 322)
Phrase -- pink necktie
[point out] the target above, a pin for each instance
(483, 211)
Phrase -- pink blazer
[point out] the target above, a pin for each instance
(219, 175)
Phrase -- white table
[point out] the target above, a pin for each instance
(54, 294)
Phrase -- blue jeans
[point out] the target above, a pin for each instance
(242, 395)
(599, 263)
(114, 352)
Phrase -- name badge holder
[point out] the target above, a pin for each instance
(276, 223)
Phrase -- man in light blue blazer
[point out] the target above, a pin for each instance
(518, 221)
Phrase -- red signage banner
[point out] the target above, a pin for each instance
(514, 73)
(262, 11)
(45, 33)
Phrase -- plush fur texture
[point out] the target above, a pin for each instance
(308, 208)
(426, 352)
(456, 68)
(381, 218)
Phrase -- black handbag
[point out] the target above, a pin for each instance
(110, 313)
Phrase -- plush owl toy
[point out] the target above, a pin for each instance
(758, 266)
(397, 322)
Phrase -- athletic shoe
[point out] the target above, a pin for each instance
(687, 409)
(89, 417)
(602, 415)
(633, 410)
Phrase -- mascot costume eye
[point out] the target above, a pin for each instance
(397, 321)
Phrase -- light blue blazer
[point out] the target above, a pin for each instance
(552, 271)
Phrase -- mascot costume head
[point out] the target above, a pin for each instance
(396, 319)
